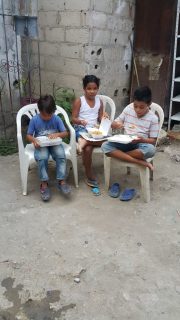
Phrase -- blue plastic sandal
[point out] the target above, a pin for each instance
(45, 193)
(96, 191)
(114, 190)
(64, 188)
(127, 194)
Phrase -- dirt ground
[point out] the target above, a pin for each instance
(88, 257)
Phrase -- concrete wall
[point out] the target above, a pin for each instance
(9, 43)
(8, 73)
(76, 37)
(86, 37)
(11, 56)
(9, 46)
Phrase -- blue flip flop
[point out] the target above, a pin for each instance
(114, 190)
(127, 194)
(96, 191)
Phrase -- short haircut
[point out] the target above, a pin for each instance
(143, 94)
(90, 78)
(46, 104)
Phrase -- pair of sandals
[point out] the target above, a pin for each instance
(46, 194)
(126, 195)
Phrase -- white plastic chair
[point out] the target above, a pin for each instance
(143, 171)
(107, 101)
(26, 153)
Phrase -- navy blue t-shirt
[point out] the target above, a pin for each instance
(40, 127)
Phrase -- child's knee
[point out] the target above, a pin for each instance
(149, 151)
(82, 142)
(107, 147)
(41, 154)
(58, 152)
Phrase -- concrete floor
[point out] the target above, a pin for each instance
(125, 254)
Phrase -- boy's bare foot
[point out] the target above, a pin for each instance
(146, 164)
(150, 166)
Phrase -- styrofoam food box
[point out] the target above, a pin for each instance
(46, 142)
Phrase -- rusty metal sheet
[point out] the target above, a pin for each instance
(153, 47)
(25, 7)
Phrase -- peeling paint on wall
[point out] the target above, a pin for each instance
(24, 7)
(153, 62)
(11, 53)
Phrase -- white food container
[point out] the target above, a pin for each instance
(122, 138)
(46, 142)
(95, 133)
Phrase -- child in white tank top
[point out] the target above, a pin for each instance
(87, 112)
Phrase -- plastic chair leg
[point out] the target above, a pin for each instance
(151, 173)
(75, 172)
(145, 185)
(107, 169)
(24, 176)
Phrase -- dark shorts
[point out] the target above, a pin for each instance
(147, 149)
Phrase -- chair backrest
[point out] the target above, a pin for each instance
(156, 108)
(108, 101)
(31, 110)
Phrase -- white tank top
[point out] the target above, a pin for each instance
(88, 113)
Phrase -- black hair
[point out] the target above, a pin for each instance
(46, 104)
(90, 78)
(143, 94)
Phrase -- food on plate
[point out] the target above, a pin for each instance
(132, 126)
(95, 133)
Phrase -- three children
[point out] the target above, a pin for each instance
(136, 119)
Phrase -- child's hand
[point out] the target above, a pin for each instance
(97, 125)
(83, 123)
(53, 135)
(105, 115)
(137, 140)
(117, 125)
(36, 143)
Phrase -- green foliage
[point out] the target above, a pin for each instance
(64, 97)
(7, 147)
(22, 85)
(66, 140)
